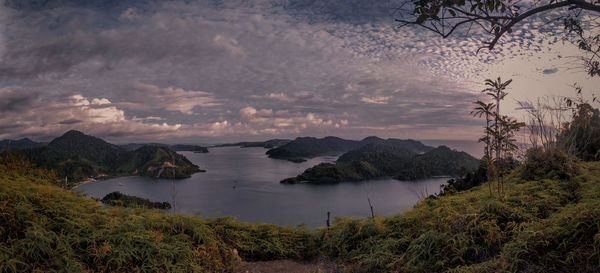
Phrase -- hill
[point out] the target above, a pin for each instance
(308, 147)
(47, 229)
(268, 144)
(546, 225)
(19, 144)
(175, 147)
(118, 199)
(79, 157)
(388, 159)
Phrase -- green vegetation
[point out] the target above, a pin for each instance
(176, 147)
(391, 159)
(19, 144)
(268, 144)
(308, 147)
(47, 229)
(546, 225)
(78, 157)
(118, 199)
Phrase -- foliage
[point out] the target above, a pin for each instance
(19, 144)
(118, 199)
(390, 159)
(308, 147)
(500, 130)
(79, 157)
(542, 163)
(176, 147)
(47, 229)
(268, 144)
(495, 18)
(538, 226)
(441, 161)
(581, 136)
(543, 225)
(466, 180)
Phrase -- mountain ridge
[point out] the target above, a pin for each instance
(78, 157)
(387, 159)
(302, 148)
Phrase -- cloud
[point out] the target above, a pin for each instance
(235, 67)
(229, 44)
(98, 116)
(376, 99)
(550, 71)
(70, 121)
(144, 96)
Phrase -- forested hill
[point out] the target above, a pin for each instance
(308, 147)
(175, 147)
(268, 144)
(19, 144)
(79, 157)
(388, 159)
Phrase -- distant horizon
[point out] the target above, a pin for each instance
(472, 147)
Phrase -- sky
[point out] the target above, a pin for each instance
(222, 71)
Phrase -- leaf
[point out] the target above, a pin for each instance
(452, 12)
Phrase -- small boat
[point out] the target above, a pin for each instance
(120, 184)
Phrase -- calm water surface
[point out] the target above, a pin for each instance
(244, 182)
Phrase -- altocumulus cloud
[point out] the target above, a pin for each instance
(206, 70)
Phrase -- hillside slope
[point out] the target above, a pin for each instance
(19, 144)
(535, 226)
(387, 159)
(79, 156)
(47, 229)
(307, 147)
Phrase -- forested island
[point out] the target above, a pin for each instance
(303, 148)
(79, 157)
(123, 200)
(403, 160)
(174, 147)
(267, 144)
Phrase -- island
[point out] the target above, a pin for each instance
(123, 200)
(78, 157)
(388, 159)
(19, 144)
(175, 147)
(268, 144)
(303, 148)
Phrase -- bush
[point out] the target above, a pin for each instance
(547, 164)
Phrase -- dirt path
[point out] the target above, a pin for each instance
(320, 265)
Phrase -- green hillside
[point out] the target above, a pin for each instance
(308, 147)
(535, 226)
(47, 229)
(387, 159)
(79, 157)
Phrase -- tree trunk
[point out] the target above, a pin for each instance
(371, 206)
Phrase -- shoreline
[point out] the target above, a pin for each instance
(90, 180)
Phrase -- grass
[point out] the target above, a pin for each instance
(47, 229)
(536, 226)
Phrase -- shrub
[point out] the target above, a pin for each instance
(547, 164)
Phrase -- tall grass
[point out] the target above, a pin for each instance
(536, 226)
(45, 228)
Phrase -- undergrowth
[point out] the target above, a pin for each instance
(45, 228)
(535, 226)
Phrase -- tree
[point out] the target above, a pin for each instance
(486, 109)
(499, 132)
(496, 18)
